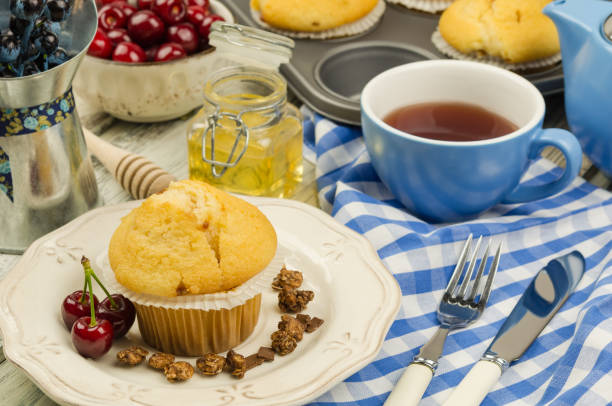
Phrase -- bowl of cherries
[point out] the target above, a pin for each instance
(94, 324)
(149, 59)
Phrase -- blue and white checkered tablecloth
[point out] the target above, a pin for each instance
(570, 363)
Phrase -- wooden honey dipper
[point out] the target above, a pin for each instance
(136, 174)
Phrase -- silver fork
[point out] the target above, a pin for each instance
(456, 310)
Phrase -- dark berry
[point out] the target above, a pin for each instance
(169, 51)
(31, 68)
(129, 52)
(47, 42)
(58, 10)
(17, 25)
(27, 9)
(58, 57)
(10, 47)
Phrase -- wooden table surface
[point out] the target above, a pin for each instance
(165, 144)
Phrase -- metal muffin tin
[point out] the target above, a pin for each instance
(328, 75)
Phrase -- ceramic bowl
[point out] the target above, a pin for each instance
(151, 91)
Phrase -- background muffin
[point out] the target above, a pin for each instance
(514, 30)
(311, 15)
(191, 239)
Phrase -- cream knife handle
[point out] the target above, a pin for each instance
(411, 386)
(475, 385)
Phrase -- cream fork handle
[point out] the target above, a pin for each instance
(411, 386)
(475, 385)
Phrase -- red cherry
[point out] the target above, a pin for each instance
(72, 308)
(106, 2)
(169, 51)
(101, 46)
(146, 28)
(121, 316)
(204, 28)
(129, 52)
(127, 9)
(201, 3)
(145, 4)
(111, 17)
(151, 52)
(118, 35)
(171, 11)
(92, 341)
(185, 35)
(196, 14)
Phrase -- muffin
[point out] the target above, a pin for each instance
(516, 31)
(190, 259)
(317, 18)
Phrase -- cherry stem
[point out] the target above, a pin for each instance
(93, 322)
(89, 272)
(108, 295)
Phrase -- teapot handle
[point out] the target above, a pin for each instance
(567, 143)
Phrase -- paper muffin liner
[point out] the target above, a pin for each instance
(428, 6)
(193, 325)
(448, 50)
(347, 30)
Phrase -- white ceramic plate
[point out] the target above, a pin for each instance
(355, 295)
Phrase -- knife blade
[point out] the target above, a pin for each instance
(546, 293)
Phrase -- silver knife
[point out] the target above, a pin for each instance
(546, 293)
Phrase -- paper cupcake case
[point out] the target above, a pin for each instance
(347, 30)
(428, 6)
(193, 325)
(448, 50)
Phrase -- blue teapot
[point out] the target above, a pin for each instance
(585, 32)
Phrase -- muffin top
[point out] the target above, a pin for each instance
(514, 30)
(191, 239)
(312, 15)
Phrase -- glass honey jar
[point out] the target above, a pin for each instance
(247, 138)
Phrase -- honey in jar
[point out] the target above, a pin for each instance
(247, 138)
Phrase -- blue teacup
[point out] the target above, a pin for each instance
(445, 181)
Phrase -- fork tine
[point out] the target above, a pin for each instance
(459, 267)
(468, 274)
(481, 268)
(487, 289)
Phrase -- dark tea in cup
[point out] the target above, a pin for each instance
(449, 121)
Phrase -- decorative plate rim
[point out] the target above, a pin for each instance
(16, 352)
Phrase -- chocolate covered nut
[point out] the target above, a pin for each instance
(160, 360)
(132, 355)
(211, 364)
(236, 364)
(178, 371)
(287, 279)
(282, 342)
(292, 326)
(294, 301)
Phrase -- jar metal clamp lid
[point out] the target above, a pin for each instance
(238, 45)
